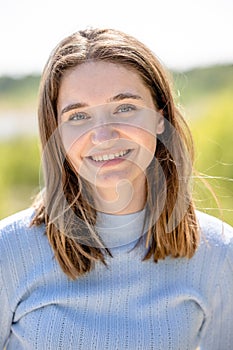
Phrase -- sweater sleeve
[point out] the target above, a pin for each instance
(10, 227)
(219, 328)
(6, 315)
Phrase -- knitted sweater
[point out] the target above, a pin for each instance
(173, 304)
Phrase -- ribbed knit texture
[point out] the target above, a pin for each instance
(174, 304)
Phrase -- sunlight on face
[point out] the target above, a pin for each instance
(108, 124)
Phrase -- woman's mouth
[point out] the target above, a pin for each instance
(109, 156)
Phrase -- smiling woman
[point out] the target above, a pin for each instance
(110, 144)
(132, 255)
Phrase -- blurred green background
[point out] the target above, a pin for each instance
(205, 96)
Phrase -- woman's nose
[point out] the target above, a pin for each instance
(104, 133)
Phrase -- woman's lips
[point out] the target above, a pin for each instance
(110, 158)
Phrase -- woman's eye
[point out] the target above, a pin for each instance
(125, 108)
(78, 116)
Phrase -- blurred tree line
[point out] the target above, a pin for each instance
(205, 96)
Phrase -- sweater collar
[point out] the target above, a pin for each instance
(119, 230)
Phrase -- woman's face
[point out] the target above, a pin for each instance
(108, 123)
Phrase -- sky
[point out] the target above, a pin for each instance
(182, 33)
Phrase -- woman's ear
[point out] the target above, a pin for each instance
(160, 123)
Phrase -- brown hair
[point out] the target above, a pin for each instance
(67, 196)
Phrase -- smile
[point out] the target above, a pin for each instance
(111, 156)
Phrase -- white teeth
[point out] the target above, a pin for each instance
(109, 156)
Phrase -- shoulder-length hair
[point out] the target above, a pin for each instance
(66, 205)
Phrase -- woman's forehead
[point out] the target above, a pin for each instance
(95, 83)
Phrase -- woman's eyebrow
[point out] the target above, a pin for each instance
(73, 106)
(118, 97)
(125, 95)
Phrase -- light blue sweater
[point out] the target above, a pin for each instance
(174, 304)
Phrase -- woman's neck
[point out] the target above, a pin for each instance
(124, 199)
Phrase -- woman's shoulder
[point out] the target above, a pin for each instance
(18, 221)
(215, 234)
(17, 227)
(213, 228)
(24, 248)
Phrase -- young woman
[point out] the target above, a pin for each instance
(113, 254)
